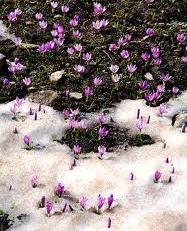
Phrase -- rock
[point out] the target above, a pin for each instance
(149, 76)
(76, 95)
(43, 97)
(56, 76)
(179, 119)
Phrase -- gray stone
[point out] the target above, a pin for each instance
(56, 76)
(180, 119)
(76, 95)
(44, 97)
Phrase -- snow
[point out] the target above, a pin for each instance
(141, 204)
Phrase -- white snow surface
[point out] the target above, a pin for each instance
(141, 204)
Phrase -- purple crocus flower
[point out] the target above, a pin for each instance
(98, 9)
(83, 124)
(161, 88)
(116, 78)
(59, 189)
(64, 9)
(82, 201)
(27, 139)
(99, 24)
(49, 207)
(157, 62)
(43, 24)
(165, 77)
(87, 57)
(12, 16)
(143, 84)
(101, 151)
(70, 50)
(113, 47)
(79, 68)
(100, 202)
(76, 34)
(54, 4)
(73, 123)
(77, 149)
(155, 52)
(103, 132)
(17, 41)
(101, 118)
(88, 91)
(34, 181)
(181, 37)
(73, 22)
(110, 200)
(97, 81)
(15, 66)
(175, 90)
(6, 82)
(39, 16)
(78, 47)
(157, 176)
(150, 32)
(124, 54)
(114, 68)
(145, 56)
(19, 102)
(131, 68)
(27, 81)
(140, 124)
(184, 59)
(162, 109)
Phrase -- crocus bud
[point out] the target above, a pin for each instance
(82, 201)
(34, 181)
(157, 176)
(42, 202)
(27, 141)
(15, 131)
(110, 200)
(148, 120)
(173, 170)
(49, 207)
(73, 164)
(131, 176)
(169, 181)
(59, 189)
(35, 116)
(100, 202)
(164, 145)
(109, 223)
(64, 207)
(138, 114)
(167, 160)
(40, 107)
(71, 208)
(31, 111)
(101, 151)
(184, 128)
(77, 149)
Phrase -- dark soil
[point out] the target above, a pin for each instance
(117, 137)
(166, 17)
(5, 222)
